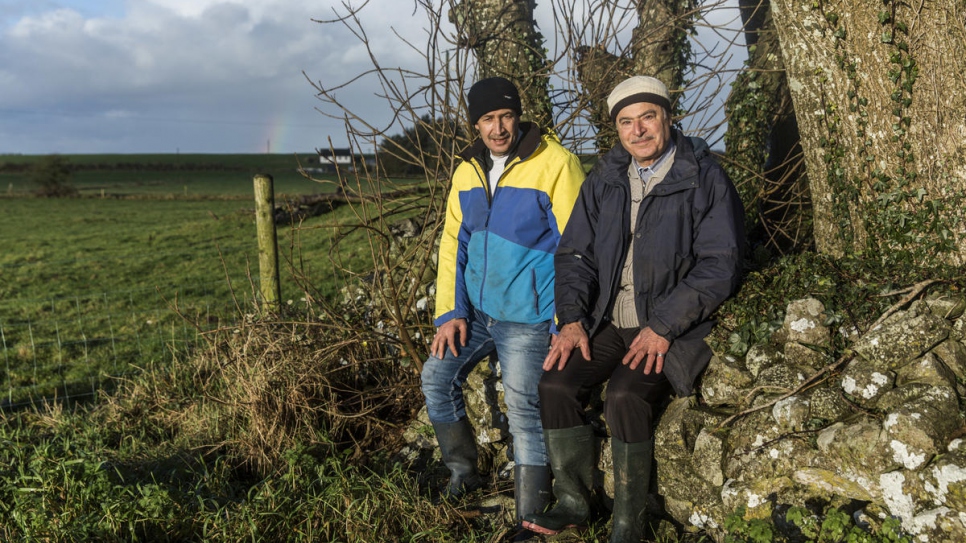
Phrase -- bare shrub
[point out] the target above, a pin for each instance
(266, 387)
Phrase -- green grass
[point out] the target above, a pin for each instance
(87, 289)
(63, 478)
(89, 286)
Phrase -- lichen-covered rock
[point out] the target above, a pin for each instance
(724, 382)
(903, 341)
(792, 413)
(901, 462)
(865, 381)
(941, 525)
(947, 307)
(708, 456)
(762, 356)
(885, 431)
(905, 497)
(928, 370)
(830, 483)
(485, 409)
(783, 378)
(805, 356)
(805, 322)
(897, 397)
(827, 404)
(953, 354)
(944, 481)
(747, 434)
(957, 331)
(921, 428)
(689, 498)
(858, 451)
(758, 447)
(758, 497)
(419, 436)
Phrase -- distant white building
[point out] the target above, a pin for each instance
(343, 159)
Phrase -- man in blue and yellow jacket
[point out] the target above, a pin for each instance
(510, 200)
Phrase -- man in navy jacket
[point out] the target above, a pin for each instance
(653, 247)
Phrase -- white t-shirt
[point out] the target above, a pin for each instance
(499, 165)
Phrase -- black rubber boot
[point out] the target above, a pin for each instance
(457, 444)
(632, 477)
(531, 490)
(572, 459)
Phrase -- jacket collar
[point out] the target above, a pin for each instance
(684, 170)
(527, 145)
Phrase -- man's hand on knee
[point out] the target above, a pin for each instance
(448, 334)
(571, 336)
(647, 347)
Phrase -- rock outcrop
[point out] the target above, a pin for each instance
(877, 431)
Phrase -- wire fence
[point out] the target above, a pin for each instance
(70, 348)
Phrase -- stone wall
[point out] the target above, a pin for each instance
(877, 431)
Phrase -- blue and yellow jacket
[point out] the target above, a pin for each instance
(496, 254)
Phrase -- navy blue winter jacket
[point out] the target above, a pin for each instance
(688, 249)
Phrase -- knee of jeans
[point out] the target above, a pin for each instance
(431, 378)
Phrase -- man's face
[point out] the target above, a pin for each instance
(644, 130)
(498, 130)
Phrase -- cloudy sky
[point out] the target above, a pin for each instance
(191, 76)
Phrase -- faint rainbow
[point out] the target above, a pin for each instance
(282, 134)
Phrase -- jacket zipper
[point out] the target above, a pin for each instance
(486, 224)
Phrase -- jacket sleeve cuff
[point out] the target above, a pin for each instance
(660, 329)
(446, 317)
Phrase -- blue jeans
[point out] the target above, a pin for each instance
(520, 349)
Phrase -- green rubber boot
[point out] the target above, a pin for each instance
(457, 445)
(572, 459)
(531, 492)
(632, 477)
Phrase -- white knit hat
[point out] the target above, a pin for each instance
(640, 88)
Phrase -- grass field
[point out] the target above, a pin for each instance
(89, 285)
(197, 176)
(87, 290)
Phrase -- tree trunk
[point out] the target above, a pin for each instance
(880, 91)
(599, 72)
(762, 141)
(659, 47)
(504, 38)
(660, 41)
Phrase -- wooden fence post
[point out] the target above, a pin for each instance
(267, 240)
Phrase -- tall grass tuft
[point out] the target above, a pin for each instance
(266, 387)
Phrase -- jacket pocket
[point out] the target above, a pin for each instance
(533, 289)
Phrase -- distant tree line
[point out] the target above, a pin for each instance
(26, 167)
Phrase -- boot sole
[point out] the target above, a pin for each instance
(536, 528)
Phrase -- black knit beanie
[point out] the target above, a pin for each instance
(492, 94)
